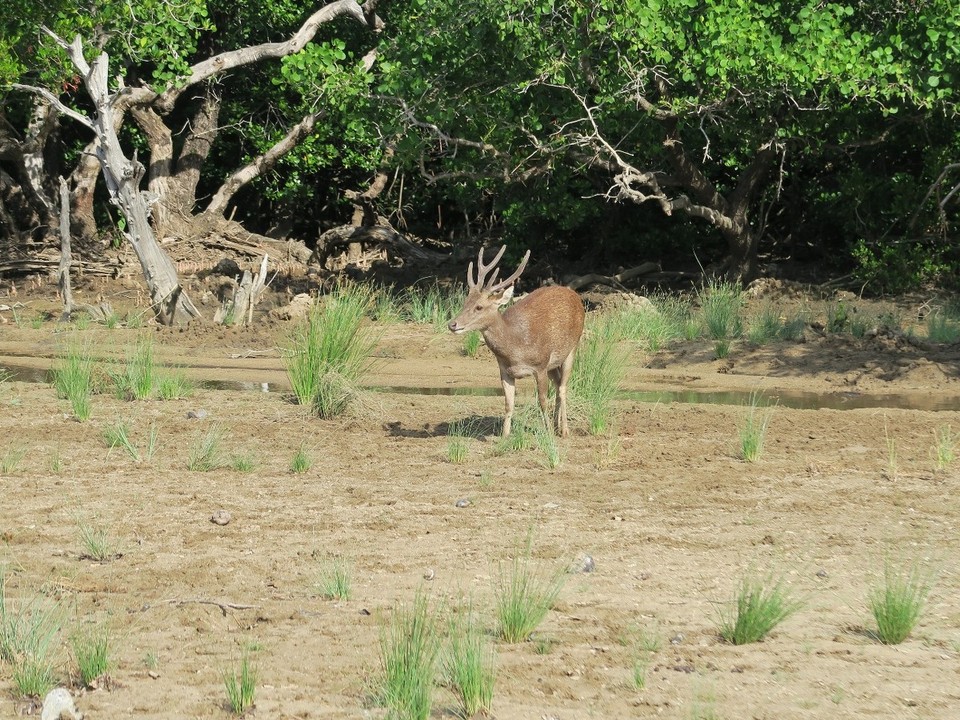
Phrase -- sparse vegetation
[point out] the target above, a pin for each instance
(244, 462)
(472, 341)
(136, 377)
(433, 305)
(409, 647)
(758, 606)
(753, 431)
(173, 385)
(98, 544)
(301, 461)
(92, 649)
(944, 448)
(11, 459)
(525, 593)
(240, 684)
(27, 640)
(898, 603)
(73, 378)
(598, 370)
(469, 664)
(336, 579)
(942, 327)
(329, 353)
(206, 454)
(118, 435)
(721, 304)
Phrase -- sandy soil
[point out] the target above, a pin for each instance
(671, 516)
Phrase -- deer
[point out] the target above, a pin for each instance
(537, 335)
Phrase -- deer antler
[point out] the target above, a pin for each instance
(490, 284)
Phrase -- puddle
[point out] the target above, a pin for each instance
(798, 400)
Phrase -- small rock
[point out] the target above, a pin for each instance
(584, 564)
(58, 705)
(821, 573)
(220, 517)
(429, 574)
(462, 503)
(153, 674)
(676, 639)
(197, 414)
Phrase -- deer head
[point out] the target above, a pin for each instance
(485, 295)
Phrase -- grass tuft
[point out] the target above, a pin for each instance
(206, 454)
(97, 543)
(758, 607)
(469, 665)
(753, 431)
(11, 460)
(598, 370)
(301, 461)
(118, 435)
(721, 304)
(944, 448)
(72, 376)
(409, 646)
(336, 579)
(898, 603)
(91, 652)
(329, 352)
(524, 595)
(241, 685)
(27, 641)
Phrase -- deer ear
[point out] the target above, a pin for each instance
(504, 296)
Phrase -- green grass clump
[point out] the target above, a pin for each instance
(241, 685)
(433, 305)
(97, 542)
(206, 454)
(770, 324)
(11, 460)
(409, 647)
(28, 636)
(301, 461)
(336, 579)
(758, 607)
(524, 595)
(897, 604)
(721, 306)
(469, 665)
(73, 378)
(173, 385)
(472, 342)
(92, 653)
(944, 447)
(942, 328)
(329, 353)
(598, 370)
(118, 435)
(136, 378)
(753, 431)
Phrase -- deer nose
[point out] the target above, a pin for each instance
(452, 325)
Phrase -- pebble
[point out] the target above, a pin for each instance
(197, 414)
(220, 517)
(58, 705)
(462, 503)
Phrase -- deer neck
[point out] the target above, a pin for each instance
(501, 336)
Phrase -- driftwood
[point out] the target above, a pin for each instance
(63, 272)
(249, 289)
(615, 281)
(383, 238)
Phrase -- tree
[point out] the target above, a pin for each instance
(698, 107)
(167, 206)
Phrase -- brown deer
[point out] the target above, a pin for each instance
(536, 336)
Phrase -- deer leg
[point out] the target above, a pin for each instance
(555, 378)
(543, 387)
(563, 375)
(509, 392)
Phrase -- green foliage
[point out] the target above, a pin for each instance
(336, 579)
(329, 353)
(469, 664)
(301, 461)
(97, 542)
(73, 378)
(524, 594)
(92, 650)
(241, 685)
(598, 370)
(721, 305)
(758, 606)
(898, 603)
(753, 430)
(206, 454)
(409, 647)
(28, 633)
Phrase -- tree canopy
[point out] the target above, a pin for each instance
(727, 133)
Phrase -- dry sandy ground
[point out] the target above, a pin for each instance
(671, 516)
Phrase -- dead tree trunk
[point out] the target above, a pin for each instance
(63, 275)
(170, 303)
